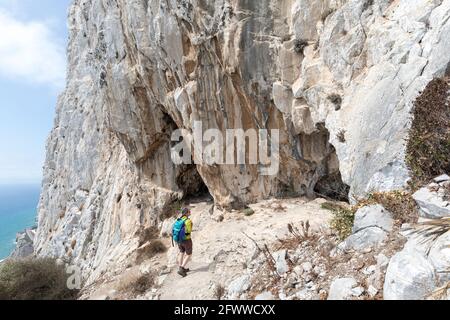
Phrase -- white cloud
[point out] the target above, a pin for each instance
(30, 51)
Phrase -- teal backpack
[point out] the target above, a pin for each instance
(179, 231)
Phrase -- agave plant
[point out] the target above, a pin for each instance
(433, 229)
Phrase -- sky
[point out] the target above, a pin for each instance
(33, 37)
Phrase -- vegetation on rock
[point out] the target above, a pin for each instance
(428, 145)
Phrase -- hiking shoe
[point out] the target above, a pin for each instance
(186, 269)
(182, 272)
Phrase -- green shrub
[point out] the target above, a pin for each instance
(34, 279)
(342, 222)
(249, 212)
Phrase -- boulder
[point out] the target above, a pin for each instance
(410, 276)
(364, 239)
(431, 203)
(373, 216)
(342, 289)
(371, 227)
(439, 257)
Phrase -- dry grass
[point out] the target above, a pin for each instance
(440, 293)
(150, 250)
(298, 236)
(428, 144)
(138, 285)
(34, 279)
(219, 292)
(341, 136)
(148, 234)
(400, 203)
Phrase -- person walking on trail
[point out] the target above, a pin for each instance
(181, 234)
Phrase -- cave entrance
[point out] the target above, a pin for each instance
(317, 148)
(331, 186)
(188, 179)
(191, 183)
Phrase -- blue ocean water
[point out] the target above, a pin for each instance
(18, 206)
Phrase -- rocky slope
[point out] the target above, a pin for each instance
(336, 77)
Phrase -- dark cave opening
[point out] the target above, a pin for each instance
(331, 186)
(316, 147)
(188, 179)
(191, 183)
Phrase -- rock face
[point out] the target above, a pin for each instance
(24, 244)
(336, 78)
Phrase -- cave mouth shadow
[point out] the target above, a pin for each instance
(193, 186)
(316, 148)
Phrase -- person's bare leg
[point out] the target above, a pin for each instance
(180, 259)
(186, 260)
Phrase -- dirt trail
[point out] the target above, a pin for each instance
(221, 250)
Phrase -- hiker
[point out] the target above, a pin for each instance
(181, 234)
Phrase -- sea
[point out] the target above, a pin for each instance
(18, 211)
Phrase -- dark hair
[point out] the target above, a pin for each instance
(185, 211)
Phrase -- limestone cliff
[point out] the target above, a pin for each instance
(336, 77)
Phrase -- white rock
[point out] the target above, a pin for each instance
(282, 97)
(307, 266)
(166, 227)
(373, 216)
(281, 264)
(358, 291)
(382, 260)
(239, 285)
(265, 296)
(364, 239)
(372, 291)
(298, 270)
(410, 276)
(341, 289)
(441, 178)
(370, 270)
(439, 257)
(431, 204)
